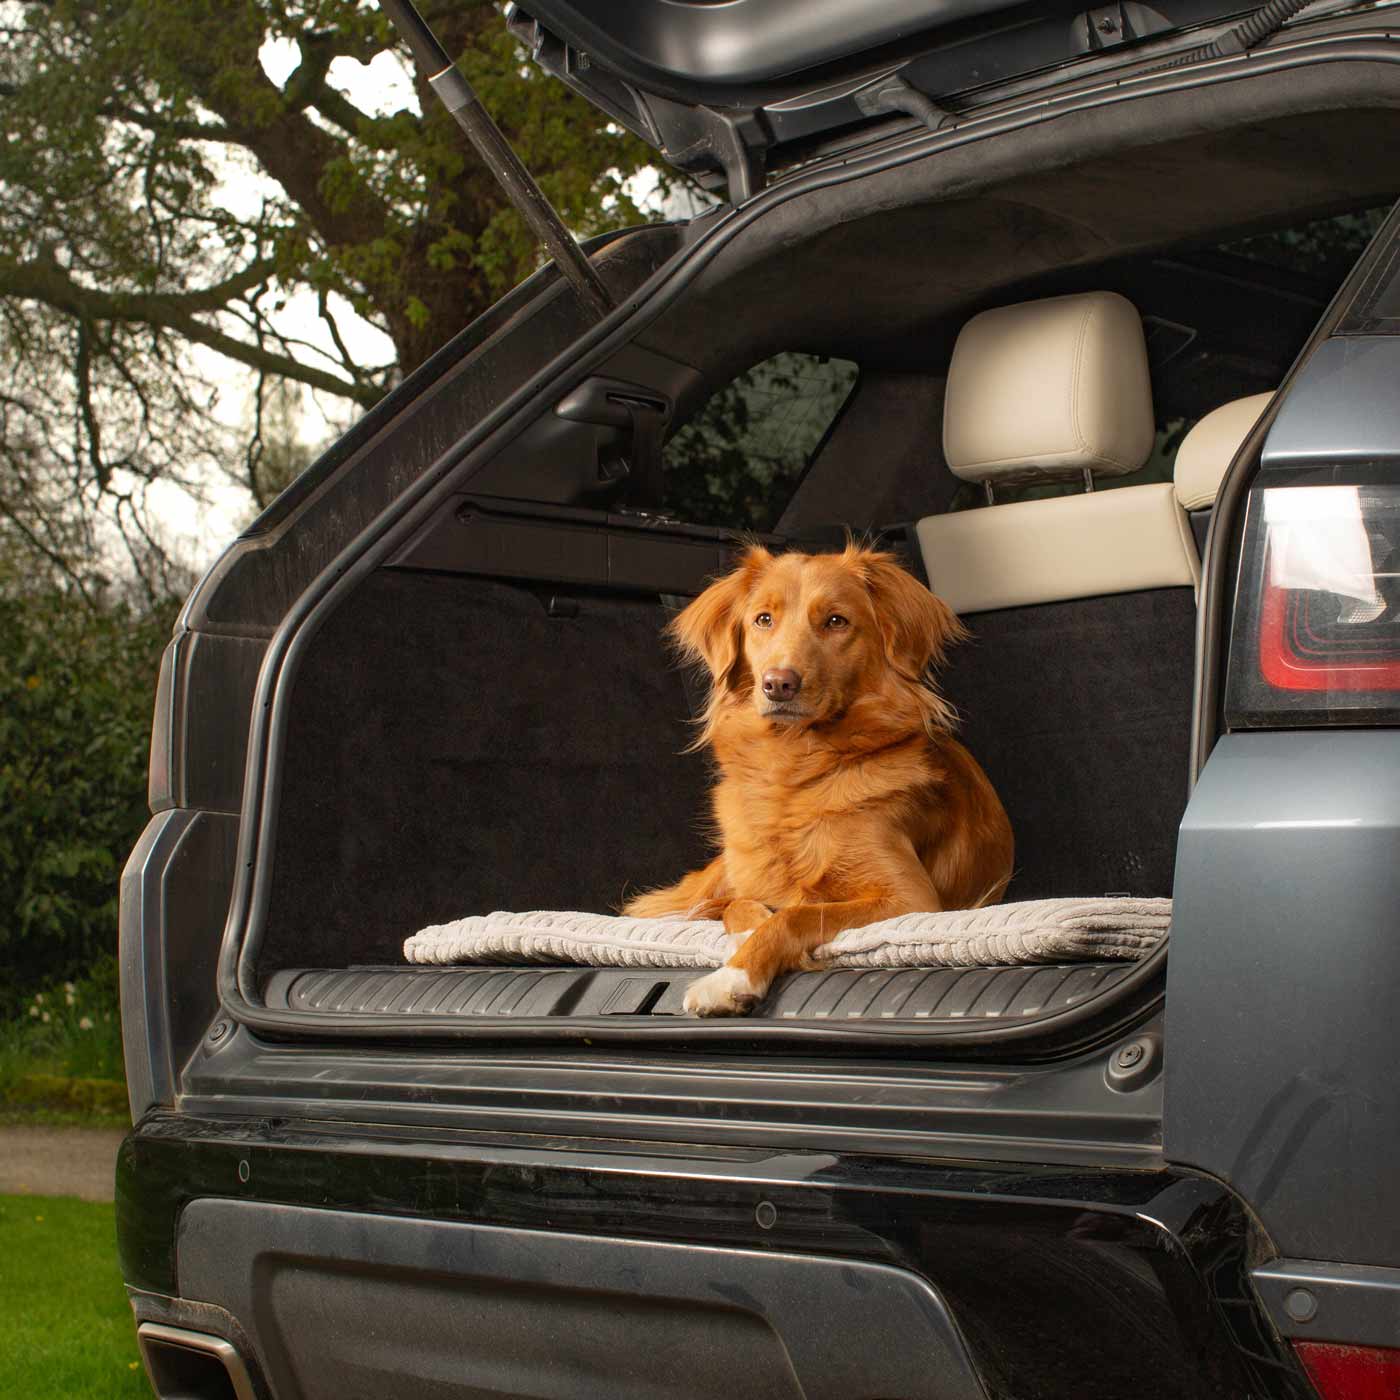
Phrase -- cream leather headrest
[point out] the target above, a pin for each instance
(1042, 390)
(1208, 449)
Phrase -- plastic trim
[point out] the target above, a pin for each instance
(1071, 1111)
(933, 996)
(1353, 1303)
(469, 338)
(150, 1073)
(229, 1251)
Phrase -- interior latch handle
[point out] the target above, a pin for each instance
(641, 413)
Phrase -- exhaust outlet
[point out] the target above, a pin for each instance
(184, 1365)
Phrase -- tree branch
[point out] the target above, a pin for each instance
(296, 152)
(45, 551)
(46, 282)
(171, 126)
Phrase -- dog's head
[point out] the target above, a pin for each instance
(801, 637)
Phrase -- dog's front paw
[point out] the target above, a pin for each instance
(727, 992)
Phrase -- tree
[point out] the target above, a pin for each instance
(133, 288)
(738, 460)
(76, 682)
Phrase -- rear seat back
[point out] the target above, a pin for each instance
(1076, 688)
(1050, 391)
(1031, 552)
(1205, 455)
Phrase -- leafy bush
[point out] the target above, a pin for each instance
(69, 1030)
(77, 684)
(740, 458)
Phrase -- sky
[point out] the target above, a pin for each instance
(197, 529)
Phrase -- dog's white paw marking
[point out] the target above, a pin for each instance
(729, 991)
(733, 942)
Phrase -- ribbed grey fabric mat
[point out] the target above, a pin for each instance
(1035, 931)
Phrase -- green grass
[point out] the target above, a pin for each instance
(31, 1115)
(65, 1328)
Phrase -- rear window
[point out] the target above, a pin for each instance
(737, 462)
(1323, 248)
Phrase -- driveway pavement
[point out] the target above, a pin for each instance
(58, 1161)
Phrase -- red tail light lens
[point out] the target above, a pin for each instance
(1342, 1372)
(1317, 614)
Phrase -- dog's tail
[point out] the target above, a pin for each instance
(993, 893)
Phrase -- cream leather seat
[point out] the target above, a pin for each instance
(1054, 390)
(1208, 449)
(1075, 690)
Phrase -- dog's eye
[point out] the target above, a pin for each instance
(836, 620)
(763, 620)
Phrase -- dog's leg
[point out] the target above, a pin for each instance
(741, 917)
(784, 941)
(700, 895)
(781, 943)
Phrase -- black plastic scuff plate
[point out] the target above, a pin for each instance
(936, 995)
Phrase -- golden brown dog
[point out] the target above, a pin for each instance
(843, 798)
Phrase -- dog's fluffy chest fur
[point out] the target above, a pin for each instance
(786, 806)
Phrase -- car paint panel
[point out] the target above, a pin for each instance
(1281, 1031)
(1342, 410)
(199, 738)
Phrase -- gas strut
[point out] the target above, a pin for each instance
(457, 96)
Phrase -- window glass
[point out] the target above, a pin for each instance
(739, 459)
(1324, 248)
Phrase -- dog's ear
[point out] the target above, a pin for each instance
(918, 626)
(711, 629)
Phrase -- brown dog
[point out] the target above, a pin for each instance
(843, 798)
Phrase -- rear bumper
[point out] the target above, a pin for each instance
(453, 1263)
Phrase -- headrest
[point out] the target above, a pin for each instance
(1040, 391)
(1208, 449)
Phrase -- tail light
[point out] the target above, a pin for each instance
(1342, 1372)
(1317, 614)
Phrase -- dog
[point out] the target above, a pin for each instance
(842, 797)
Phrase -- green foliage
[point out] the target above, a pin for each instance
(69, 1031)
(124, 126)
(1324, 248)
(76, 688)
(65, 1326)
(739, 459)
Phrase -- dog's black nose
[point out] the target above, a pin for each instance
(781, 685)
